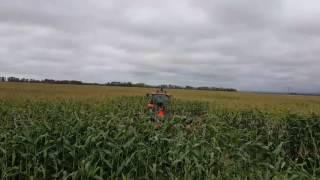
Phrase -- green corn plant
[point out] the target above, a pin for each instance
(114, 139)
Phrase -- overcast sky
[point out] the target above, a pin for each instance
(264, 45)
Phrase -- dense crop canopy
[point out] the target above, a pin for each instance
(115, 139)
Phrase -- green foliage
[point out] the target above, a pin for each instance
(114, 138)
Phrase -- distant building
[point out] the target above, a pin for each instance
(114, 83)
(140, 85)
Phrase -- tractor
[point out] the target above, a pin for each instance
(158, 105)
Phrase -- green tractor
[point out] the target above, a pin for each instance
(159, 104)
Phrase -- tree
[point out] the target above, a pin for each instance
(13, 79)
(189, 87)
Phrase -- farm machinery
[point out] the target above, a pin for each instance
(162, 108)
(158, 105)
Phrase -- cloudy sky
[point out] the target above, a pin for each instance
(261, 45)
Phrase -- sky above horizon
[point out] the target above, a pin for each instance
(255, 45)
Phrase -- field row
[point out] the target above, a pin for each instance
(115, 139)
(231, 100)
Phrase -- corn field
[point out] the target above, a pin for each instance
(114, 139)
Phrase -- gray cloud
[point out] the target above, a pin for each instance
(247, 44)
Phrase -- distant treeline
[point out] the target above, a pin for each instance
(124, 84)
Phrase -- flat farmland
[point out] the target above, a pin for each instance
(96, 132)
(229, 100)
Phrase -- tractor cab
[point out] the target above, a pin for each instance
(158, 104)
